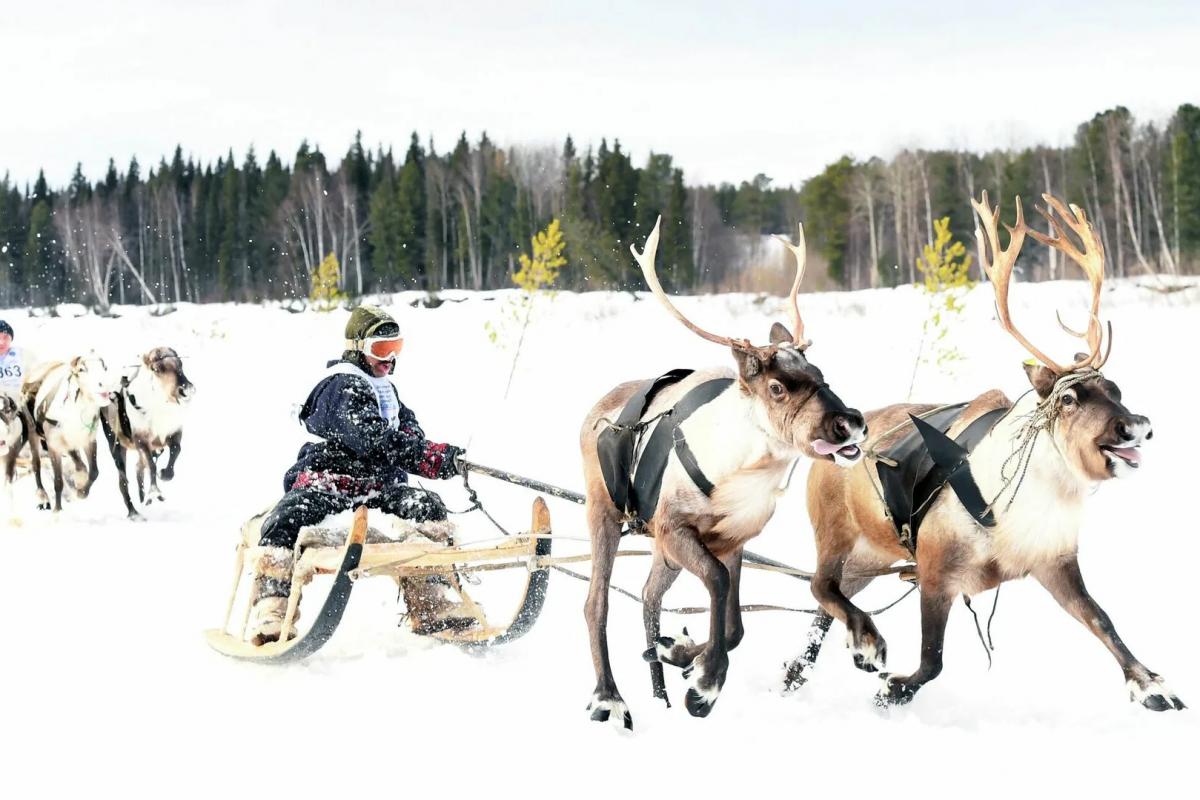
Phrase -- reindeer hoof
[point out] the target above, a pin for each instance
(702, 694)
(1155, 695)
(134, 516)
(896, 691)
(869, 653)
(793, 676)
(678, 652)
(699, 703)
(167, 474)
(612, 709)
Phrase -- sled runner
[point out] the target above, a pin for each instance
(366, 554)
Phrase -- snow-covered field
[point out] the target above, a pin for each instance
(108, 686)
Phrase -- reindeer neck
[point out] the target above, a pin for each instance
(1036, 497)
(725, 435)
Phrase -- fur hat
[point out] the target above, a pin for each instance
(365, 322)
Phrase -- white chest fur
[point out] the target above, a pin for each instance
(745, 465)
(1042, 520)
(152, 415)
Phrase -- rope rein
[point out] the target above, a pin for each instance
(1041, 419)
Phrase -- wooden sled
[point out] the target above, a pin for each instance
(361, 558)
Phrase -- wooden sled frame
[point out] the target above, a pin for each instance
(358, 559)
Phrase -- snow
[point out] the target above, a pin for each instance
(108, 681)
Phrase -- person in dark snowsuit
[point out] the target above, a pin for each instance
(370, 443)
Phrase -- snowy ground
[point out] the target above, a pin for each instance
(109, 686)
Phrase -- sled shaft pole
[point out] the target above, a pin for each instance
(528, 483)
(240, 562)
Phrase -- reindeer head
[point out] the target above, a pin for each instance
(166, 367)
(10, 423)
(1098, 437)
(792, 402)
(93, 378)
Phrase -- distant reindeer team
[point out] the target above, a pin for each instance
(995, 488)
(63, 404)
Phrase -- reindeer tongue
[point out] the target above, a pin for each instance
(825, 448)
(1130, 454)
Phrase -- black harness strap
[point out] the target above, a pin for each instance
(616, 446)
(926, 460)
(909, 464)
(951, 466)
(647, 481)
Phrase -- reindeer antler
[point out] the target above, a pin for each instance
(800, 252)
(1000, 272)
(1090, 259)
(645, 260)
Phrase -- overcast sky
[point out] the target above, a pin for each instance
(729, 89)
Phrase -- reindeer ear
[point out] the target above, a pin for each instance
(1042, 378)
(749, 363)
(780, 334)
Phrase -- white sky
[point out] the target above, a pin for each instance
(729, 89)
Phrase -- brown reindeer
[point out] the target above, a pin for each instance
(147, 416)
(1031, 471)
(711, 449)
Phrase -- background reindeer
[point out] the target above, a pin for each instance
(15, 430)
(719, 473)
(147, 416)
(63, 400)
(1034, 469)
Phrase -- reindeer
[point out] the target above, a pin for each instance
(15, 427)
(718, 466)
(1032, 471)
(148, 417)
(63, 400)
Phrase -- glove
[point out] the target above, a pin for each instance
(450, 466)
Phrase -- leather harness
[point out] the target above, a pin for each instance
(913, 471)
(632, 474)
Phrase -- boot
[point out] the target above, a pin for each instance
(432, 606)
(269, 599)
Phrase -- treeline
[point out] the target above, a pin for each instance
(186, 231)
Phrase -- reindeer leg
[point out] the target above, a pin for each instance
(93, 467)
(57, 468)
(662, 575)
(118, 455)
(606, 703)
(796, 671)
(1065, 583)
(867, 646)
(79, 479)
(794, 675)
(10, 472)
(734, 630)
(35, 454)
(708, 669)
(935, 610)
(173, 446)
(141, 476)
(152, 469)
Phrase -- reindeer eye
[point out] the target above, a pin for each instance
(776, 389)
(1068, 399)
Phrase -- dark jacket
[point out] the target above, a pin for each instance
(342, 410)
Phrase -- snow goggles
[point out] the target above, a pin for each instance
(383, 347)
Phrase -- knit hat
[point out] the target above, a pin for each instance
(6, 328)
